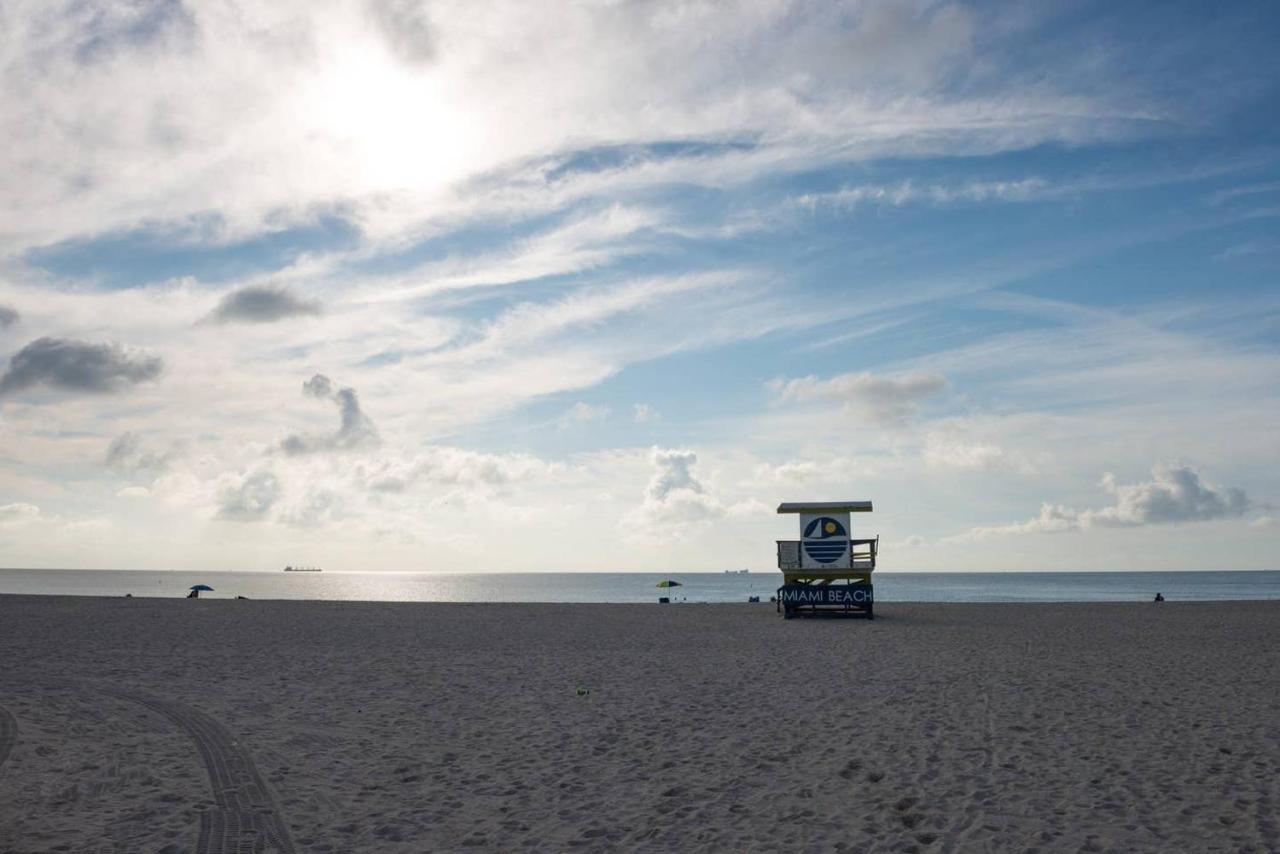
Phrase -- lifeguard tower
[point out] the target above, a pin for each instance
(826, 572)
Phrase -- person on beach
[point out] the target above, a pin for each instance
(1159, 597)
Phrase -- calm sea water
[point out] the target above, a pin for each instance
(641, 587)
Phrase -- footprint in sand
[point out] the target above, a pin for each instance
(8, 733)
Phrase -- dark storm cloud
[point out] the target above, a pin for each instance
(8, 316)
(354, 430)
(262, 304)
(78, 366)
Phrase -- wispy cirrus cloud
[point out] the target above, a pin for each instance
(328, 125)
(478, 215)
(907, 192)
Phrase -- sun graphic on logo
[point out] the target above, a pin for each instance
(830, 527)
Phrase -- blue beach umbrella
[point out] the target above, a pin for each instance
(202, 587)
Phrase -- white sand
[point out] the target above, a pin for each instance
(411, 727)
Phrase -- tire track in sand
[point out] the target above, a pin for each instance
(247, 818)
(8, 733)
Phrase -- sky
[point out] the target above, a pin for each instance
(445, 286)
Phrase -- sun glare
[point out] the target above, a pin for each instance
(398, 127)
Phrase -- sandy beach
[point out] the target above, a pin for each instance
(132, 725)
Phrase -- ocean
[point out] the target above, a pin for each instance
(642, 587)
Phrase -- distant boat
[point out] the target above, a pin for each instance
(302, 569)
(736, 571)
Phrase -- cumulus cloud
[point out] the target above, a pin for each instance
(251, 499)
(8, 316)
(674, 498)
(78, 366)
(885, 399)
(128, 453)
(355, 430)
(262, 304)
(1174, 495)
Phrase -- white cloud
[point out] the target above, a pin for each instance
(450, 467)
(581, 413)
(319, 99)
(355, 430)
(18, 513)
(519, 233)
(907, 192)
(946, 451)
(642, 413)
(675, 500)
(251, 499)
(796, 471)
(584, 242)
(1174, 495)
(886, 399)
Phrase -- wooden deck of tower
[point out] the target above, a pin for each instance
(826, 572)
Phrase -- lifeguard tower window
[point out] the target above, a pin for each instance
(826, 572)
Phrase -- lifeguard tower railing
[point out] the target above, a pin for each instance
(862, 557)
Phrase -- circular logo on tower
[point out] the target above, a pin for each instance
(825, 540)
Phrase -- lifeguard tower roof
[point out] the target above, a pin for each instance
(825, 507)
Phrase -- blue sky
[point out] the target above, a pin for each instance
(626, 276)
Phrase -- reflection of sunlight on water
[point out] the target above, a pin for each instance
(639, 587)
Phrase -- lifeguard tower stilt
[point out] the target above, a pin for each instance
(826, 572)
